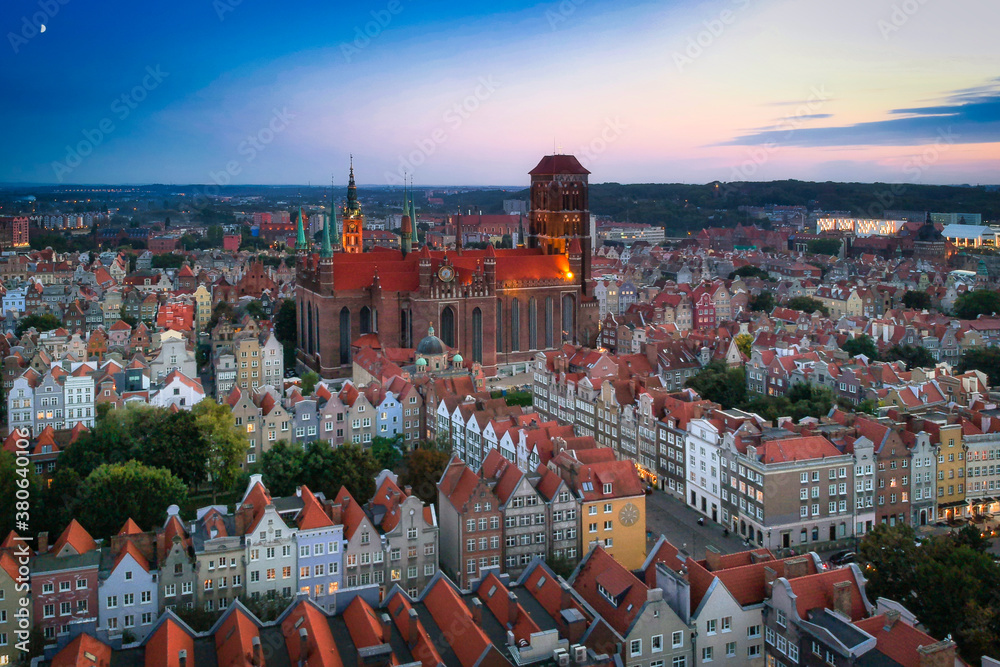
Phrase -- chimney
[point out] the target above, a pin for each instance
(477, 611)
(565, 596)
(938, 654)
(769, 576)
(182, 658)
(43, 542)
(408, 490)
(303, 645)
(386, 627)
(891, 616)
(412, 628)
(842, 598)
(713, 558)
(760, 556)
(512, 609)
(258, 660)
(797, 567)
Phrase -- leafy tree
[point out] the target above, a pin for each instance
(887, 557)
(512, 397)
(318, 471)
(912, 355)
(59, 499)
(750, 271)
(424, 467)
(256, 310)
(14, 479)
(41, 322)
(763, 302)
(971, 305)
(114, 493)
(867, 406)
(223, 309)
(725, 386)
(309, 380)
(859, 345)
(285, 330)
(282, 467)
(327, 469)
(917, 299)
(167, 261)
(985, 359)
(213, 235)
(824, 247)
(226, 444)
(387, 452)
(562, 566)
(744, 342)
(807, 304)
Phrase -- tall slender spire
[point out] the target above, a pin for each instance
(301, 245)
(413, 210)
(353, 208)
(327, 249)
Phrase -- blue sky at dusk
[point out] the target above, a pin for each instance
(474, 93)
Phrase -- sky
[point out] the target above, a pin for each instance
(475, 93)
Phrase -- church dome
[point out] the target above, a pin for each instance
(421, 362)
(431, 344)
(457, 360)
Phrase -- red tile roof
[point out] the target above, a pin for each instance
(796, 449)
(601, 571)
(76, 538)
(321, 648)
(558, 164)
(422, 648)
(816, 591)
(234, 639)
(364, 626)
(163, 647)
(899, 643)
(78, 653)
(467, 639)
(130, 528)
(495, 596)
(131, 550)
(312, 515)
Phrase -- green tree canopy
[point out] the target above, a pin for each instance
(862, 344)
(912, 355)
(971, 305)
(763, 302)
(167, 261)
(326, 469)
(917, 299)
(807, 304)
(15, 480)
(309, 380)
(720, 384)
(750, 271)
(41, 322)
(387, 452)
(226, 444)
(824, 246)
(424, 467)
(282, 468)
(114, 493)
(985, 359)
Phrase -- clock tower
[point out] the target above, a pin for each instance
(354, 221)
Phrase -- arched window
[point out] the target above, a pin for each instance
(448, 326)
(532, 324)
(345, 336)
(549, 315)
(568, 318)
(515, 325)
(366, 320)
(405, 333)
(499, 333)
(310, 329)
(477, 335)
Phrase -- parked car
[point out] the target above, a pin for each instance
(842, 558)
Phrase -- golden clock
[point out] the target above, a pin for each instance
(446, 273)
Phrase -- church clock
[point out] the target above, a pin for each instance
(628, 515)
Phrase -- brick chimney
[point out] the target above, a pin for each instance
(891, 617)
(938, 654)
(760, 556)
(43, 542)
(565, 596)
(769, 576)
(713, 558)
(408, 490)
(386, 623)
(842, 597)
(797, 567)
(412, 628)
(477, 611)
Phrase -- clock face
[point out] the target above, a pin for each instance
(352, 229)
(628, 515)
(446, 273)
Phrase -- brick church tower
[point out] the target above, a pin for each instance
(353, 223)
(560, 210)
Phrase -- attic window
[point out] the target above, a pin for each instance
(541, 581)
(493, 589)
(607, 489)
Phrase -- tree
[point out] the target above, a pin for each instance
(887, 557)
(309, 380)
(562, 566)
(424, 467)
(213, 235)
(114, 493)
(357, 469)
(41, 322)
(985, 359)
(750, 271)
(223, 309)
(285, 330)
(917, 299)
(387, 452)
(282, 468)
(861, 345)
(763, 302)
(723, 385)
(911, 355)
(167, 261)
(20, 491)
(807, 304)
(824, 246)
(256, 310)
(971, 305)
(867, 406)
(744, 342)
(226, 444)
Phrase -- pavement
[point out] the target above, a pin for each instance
(666, 515)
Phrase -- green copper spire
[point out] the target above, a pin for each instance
(353, 208)
(327, 249)
(413, 210)
(300, 243)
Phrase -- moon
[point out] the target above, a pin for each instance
(42, 29)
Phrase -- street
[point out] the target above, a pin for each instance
(666, 515)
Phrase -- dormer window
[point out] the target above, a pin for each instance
(607, 489)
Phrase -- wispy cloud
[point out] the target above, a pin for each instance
(971, 115)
